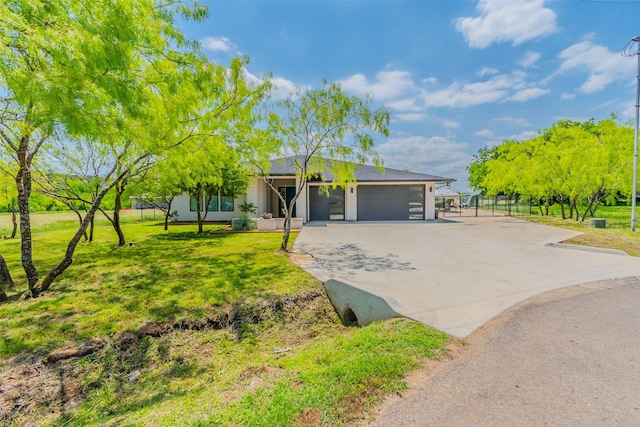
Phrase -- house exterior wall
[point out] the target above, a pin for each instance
(182, 206)
(351, 203)
(265, 200)
(258, 195)
(302, 204)
(430, 201)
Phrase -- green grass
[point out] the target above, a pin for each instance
(616, 216)
(329, 373)
(617, 235)
(207, 378)
(163, 276)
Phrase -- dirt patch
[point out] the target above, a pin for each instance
(69, 352)
(34, 391)
(31, 394)
(309, 417)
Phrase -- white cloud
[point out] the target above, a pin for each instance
(457, 94)
(387, 84)
(487, 71)
(282, 88)
(429, 81)
(217, 44)
(602, 66)
(403, 105)
(527, 94)
(513, 122)
(410, 117)
(484, 133)
(529, 59)
(568, 96)
(491, 139)
(451, 124)
(515, 21)
(436, 155)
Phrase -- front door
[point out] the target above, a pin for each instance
(288, 193)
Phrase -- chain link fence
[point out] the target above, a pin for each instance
(478, 205)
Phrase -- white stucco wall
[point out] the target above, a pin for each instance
(181, 205)
(257, 194)
(351, 203)
(302, 204)
(430, 201)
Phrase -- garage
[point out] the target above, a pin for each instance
(326, 206)
(390, 202)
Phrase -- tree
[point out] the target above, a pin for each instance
(155, 188)
(577, 164)
(8, 198)
(55, 73)
(325, 130)
(210, 170)
(478, 167)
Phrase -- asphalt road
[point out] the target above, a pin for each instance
(570, 357)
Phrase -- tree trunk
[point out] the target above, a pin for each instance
(547, 203)
(67, 259)
(23, 186)
(561, 201)
(287, 230)
(116, 215)
(200, 219)
(167, 215)
(287, 218)
(86, 236)
(6, 282)
(14, 221)
(91, 228)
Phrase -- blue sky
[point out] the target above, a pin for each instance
(456, 75)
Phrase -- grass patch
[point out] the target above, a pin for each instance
(284, 358)
(617, 235)
(164, 276)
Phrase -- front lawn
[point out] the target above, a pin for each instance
(279, 356)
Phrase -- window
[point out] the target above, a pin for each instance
(416, 202)
(212, 207)
(336, 203)
(226, 204)
(213, 203)
(193, 207)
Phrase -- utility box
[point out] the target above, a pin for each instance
(597, 222)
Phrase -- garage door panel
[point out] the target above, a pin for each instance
(383, 203)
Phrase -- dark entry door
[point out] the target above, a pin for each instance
(326, 207)
(288, 193)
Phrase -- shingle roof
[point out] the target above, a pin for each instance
(363, 173)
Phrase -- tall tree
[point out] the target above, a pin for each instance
(55, 72)
(327, 131)
(579, 164)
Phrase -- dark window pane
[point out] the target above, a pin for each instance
(416, 202)
(226, 204)
(213, 203)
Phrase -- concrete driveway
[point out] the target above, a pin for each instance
(457, 274)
